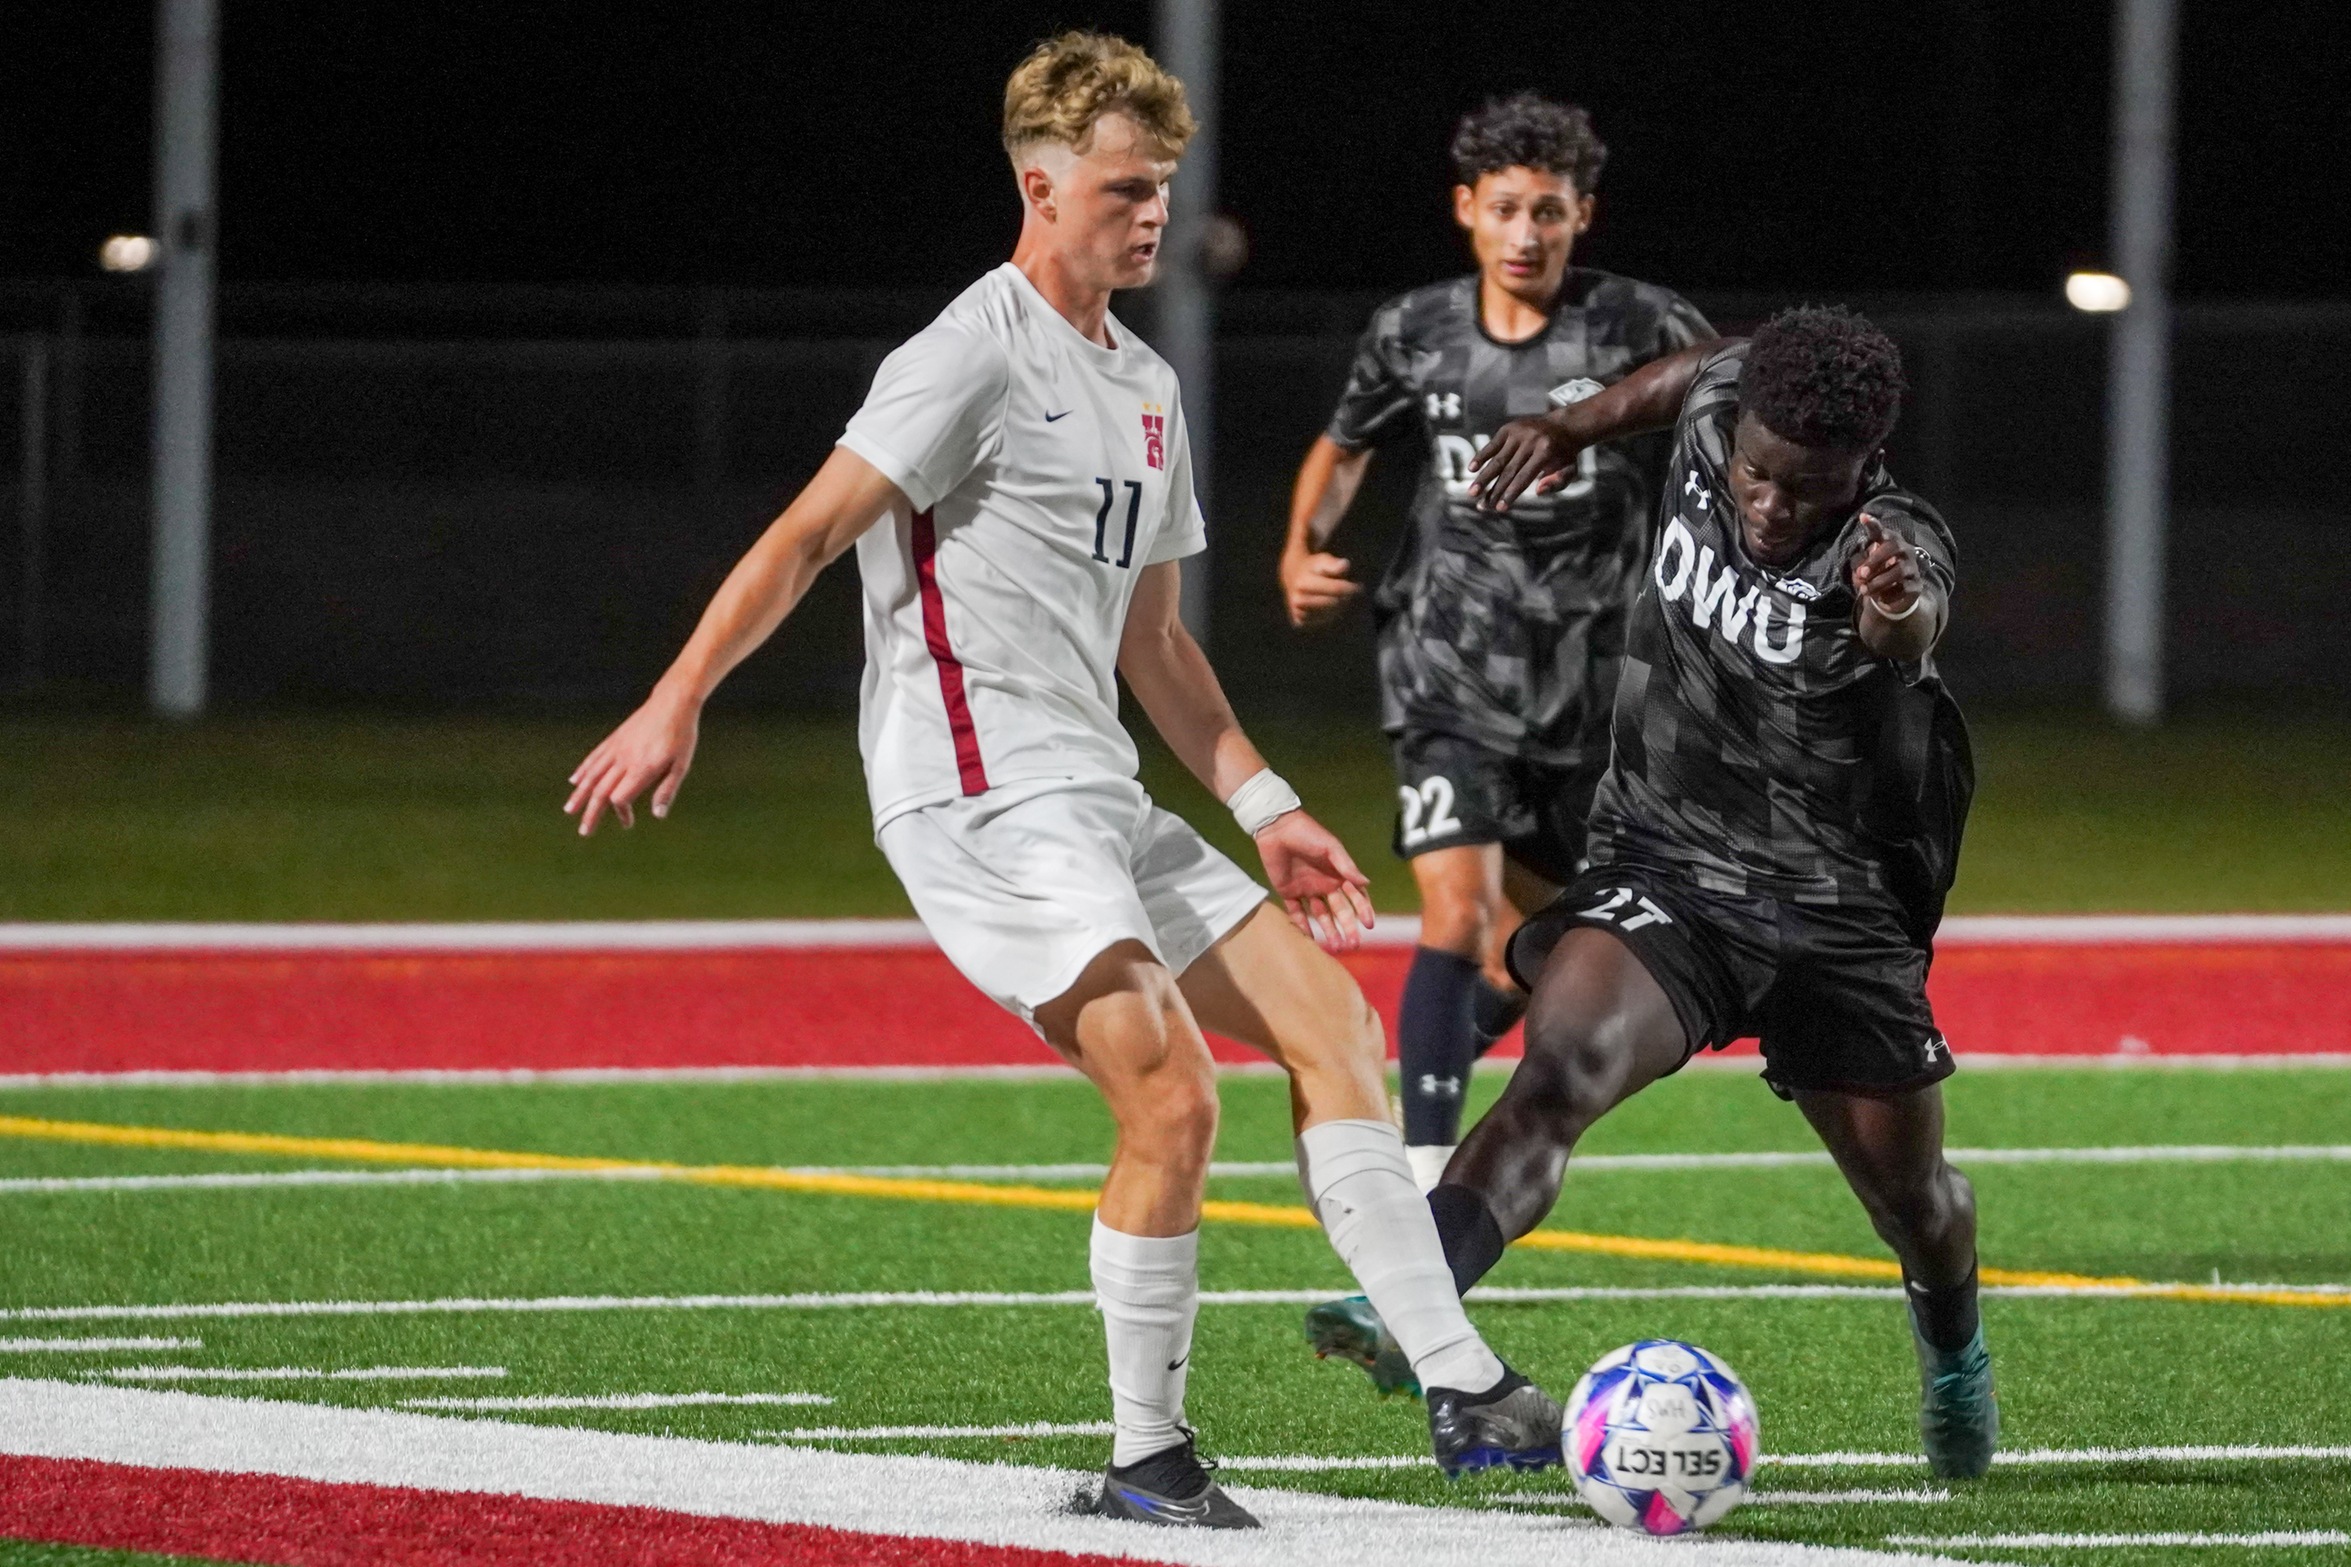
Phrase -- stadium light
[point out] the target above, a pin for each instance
(2100, 293)
(127, 253)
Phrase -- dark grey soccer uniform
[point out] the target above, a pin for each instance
(1742, 841)
(1499, 635)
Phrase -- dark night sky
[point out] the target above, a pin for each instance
(1836, 145)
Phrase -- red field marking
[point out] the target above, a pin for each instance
(308, 1523)
(132, 1010)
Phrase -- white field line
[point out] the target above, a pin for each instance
(494, 1077)
(2202, 1153)
(1392, 930)
(2036, 1456)
(1912, 1494)
(941, 1433)
(298, 1373)
(2108, 1542)
(919, 1498)
(862, 1300)
(91, 1346)
(2031, 1458)
(614, 1401)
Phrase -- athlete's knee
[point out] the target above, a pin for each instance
(1578, 1066)
(1458, 915)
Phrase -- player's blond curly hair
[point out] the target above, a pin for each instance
(1069, 82)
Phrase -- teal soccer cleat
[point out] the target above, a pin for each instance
(1352, 1330)
(1957, 1413)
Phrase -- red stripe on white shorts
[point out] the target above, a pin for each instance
(310, 1523)
(934, 633)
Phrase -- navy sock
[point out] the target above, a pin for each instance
(1492, 1011)
(1947, 1318)
(1434, 1047)
(1465, 1225)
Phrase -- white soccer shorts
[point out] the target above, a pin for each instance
(1025, 885)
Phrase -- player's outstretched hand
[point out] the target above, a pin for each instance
(1886, 571)
(1315, 586)
(653, 746)
(1316, 879)
(1525, 454)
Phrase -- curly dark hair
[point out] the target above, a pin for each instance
(1823, 376)
(1528, 130)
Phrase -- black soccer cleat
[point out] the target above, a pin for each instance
(1511, 1425)
(1172, 1488)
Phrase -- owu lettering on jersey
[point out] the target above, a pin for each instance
(1684, 568)
(1453, 453)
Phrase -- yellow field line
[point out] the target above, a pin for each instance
(770, 1178)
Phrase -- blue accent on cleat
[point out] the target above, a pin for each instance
(1511, 1425)
(1351, 1330)
(1958, 1414)
(1172, 1488)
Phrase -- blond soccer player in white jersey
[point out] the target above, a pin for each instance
(1018, 488)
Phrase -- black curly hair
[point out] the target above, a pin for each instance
(1528, 130)
(1823, 376)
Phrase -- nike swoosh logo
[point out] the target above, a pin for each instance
(1165, 1507)
(1177, 1365)
(1065, 413)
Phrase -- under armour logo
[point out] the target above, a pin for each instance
(1440, 1087)
(1444, 405)
(1693, 488)
(1935, 1049)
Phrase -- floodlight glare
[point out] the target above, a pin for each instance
(2101, 292)
(127, 253)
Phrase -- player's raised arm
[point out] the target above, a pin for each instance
(1539, 451)
(654, 746)
(1899, 612)
(1315, 584)
(1310, 869)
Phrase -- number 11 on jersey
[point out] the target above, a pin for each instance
(1126, 551)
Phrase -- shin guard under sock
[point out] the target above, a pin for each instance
(1947, 1318)
(1361, 1188)
(1435, 1046)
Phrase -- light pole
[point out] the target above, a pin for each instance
(186, 93)
(1186, 304)
(2138, 365)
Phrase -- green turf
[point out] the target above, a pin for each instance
(1829, 1374)
(346, 818)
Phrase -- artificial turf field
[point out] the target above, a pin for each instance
(1831, 1374)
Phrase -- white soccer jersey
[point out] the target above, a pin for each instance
(1043, 471)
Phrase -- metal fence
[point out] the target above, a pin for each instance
(462, 498)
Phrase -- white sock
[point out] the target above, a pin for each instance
(1428, 1163)
(1360, 1183)
(1148, 1290)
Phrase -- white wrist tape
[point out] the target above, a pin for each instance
(1265, 796)
(1884, 613)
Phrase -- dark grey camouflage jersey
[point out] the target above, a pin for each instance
(1505, 630)
(1749, 717)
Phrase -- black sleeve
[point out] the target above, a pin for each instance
(1716, 385)
(1679, 325)
(1378, 404)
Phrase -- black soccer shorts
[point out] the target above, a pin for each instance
(1837, 995)
(1451, 792)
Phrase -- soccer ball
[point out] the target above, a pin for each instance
(1661, 1436)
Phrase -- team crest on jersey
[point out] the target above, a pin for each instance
(1575, 391)
(1154, 436)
